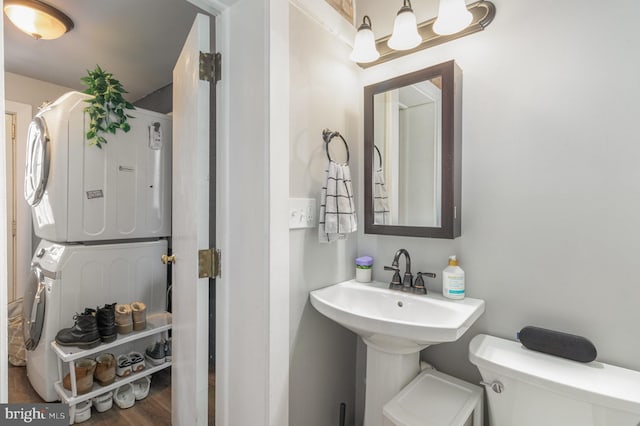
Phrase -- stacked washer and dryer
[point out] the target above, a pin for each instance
(104, 216)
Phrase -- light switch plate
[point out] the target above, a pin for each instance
(302, 213)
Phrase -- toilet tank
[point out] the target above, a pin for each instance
(540, 389)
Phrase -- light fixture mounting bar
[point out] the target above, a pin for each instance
(483, 13)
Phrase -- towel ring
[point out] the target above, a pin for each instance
(328, 135)
(379, 156)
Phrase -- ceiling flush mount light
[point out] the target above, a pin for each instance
(405, 29)
(364, 46)
(38, 19)
(453, 17)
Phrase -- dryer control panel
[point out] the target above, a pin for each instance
(155, 136)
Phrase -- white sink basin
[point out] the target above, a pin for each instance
(394, 321)
(395, 326)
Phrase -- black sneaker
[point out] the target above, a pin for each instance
(156, 353)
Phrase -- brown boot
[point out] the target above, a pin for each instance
(105, 369)
(139, 311)
(85, 368)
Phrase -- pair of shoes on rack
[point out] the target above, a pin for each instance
(84, 333)
(130, 363)
(102, 370)
(159, 353)
(131, 317)
(127, 394)
(90, 328)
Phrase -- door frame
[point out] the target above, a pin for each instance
(4, 367)
(10, 200)
(252, 340)
(23, 114)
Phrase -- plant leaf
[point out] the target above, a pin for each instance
(106, 108)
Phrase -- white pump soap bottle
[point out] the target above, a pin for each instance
(453, 280)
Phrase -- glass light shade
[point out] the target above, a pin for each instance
(405, 31)
(453, 17)
(37, 19)
(364, 47)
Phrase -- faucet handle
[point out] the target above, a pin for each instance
(395, 281)
(418, 286)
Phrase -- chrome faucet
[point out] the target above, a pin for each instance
(407, 280)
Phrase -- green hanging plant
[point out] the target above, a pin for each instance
(107, 108)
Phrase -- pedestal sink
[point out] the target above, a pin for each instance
(395, 326)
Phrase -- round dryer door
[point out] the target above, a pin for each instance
(37, 168)
(33, 309)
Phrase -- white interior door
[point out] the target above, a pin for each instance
(190, 231)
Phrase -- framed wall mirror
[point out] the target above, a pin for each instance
(412, 149)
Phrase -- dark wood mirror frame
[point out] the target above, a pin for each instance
(450, 208)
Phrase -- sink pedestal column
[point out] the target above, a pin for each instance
(387, 374)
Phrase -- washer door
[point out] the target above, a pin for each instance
(37, 168)
(33, 308)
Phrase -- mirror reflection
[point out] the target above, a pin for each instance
(407, 155)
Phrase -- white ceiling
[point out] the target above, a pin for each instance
(136, 40)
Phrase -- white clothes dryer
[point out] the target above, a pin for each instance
(80, 192)
(67, 278)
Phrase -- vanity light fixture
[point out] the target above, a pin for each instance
(39, 20)
(364, 46)
(432, 32)
(453, 17)
(405, 29)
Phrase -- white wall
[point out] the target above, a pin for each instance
(27, 90)
(550, 176)
(325, 93)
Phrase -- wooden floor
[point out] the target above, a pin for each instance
(153, 410)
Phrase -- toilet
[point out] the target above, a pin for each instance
(528, 388)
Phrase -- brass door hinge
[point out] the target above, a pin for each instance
(209, 263)
(210, 67)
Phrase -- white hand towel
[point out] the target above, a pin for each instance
(337, 207)
(380, 200)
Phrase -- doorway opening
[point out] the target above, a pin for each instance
(56, 88)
